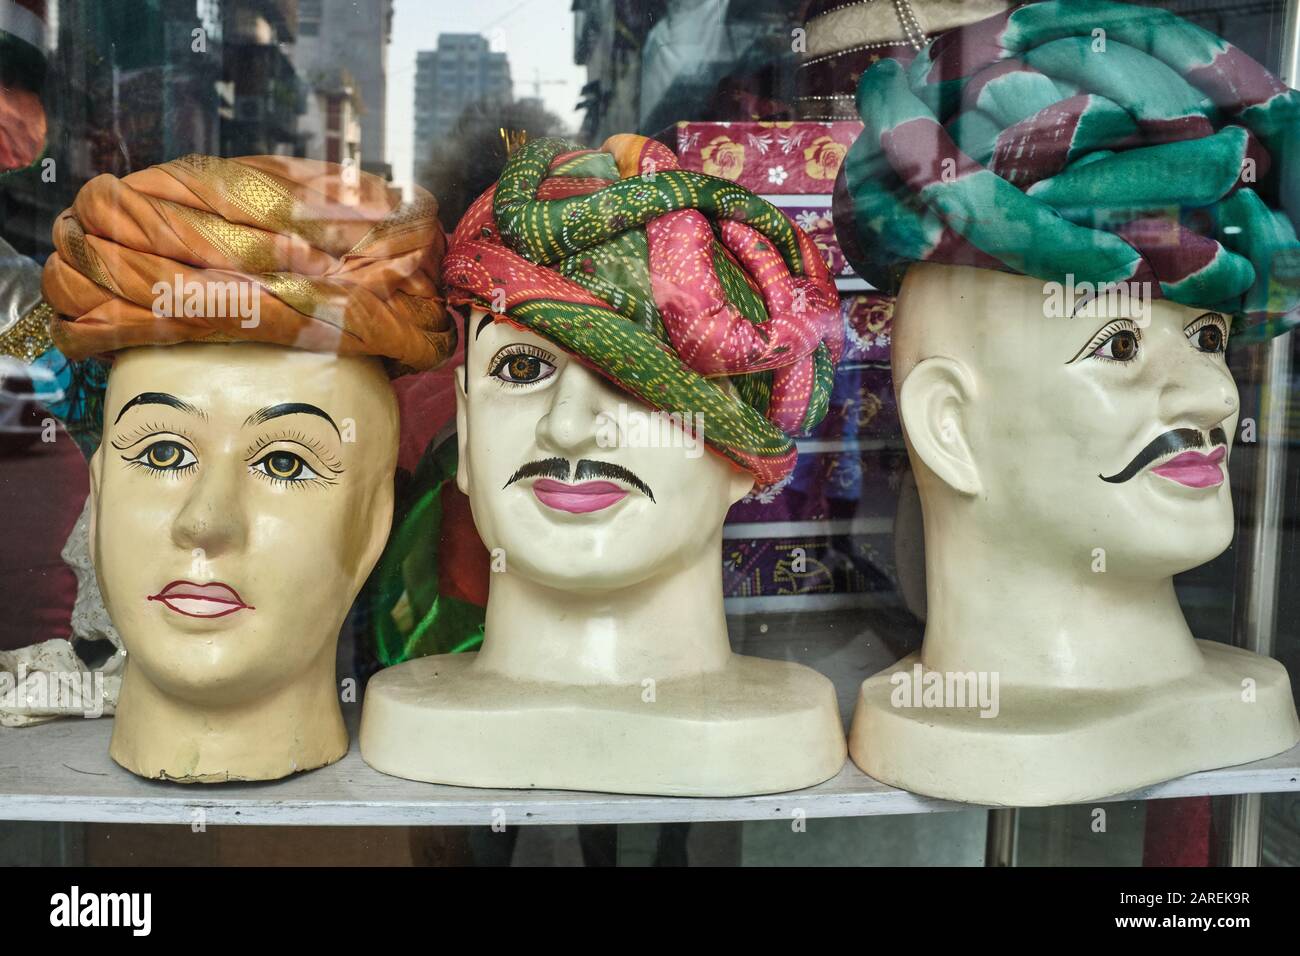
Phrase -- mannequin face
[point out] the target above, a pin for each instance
(234, 521)
(1067, 434)
(588, 513)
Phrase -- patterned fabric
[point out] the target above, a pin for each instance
(429, 590)
(662, 280)
(1099, 140)
(22, 78)
(181, 252)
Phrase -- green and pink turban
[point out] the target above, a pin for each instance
(1089, 139)
(669, 283)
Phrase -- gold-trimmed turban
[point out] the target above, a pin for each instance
(333, 259)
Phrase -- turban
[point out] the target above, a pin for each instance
(1101, 141)
(662, 281)
(335, 262)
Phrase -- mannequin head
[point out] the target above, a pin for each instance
(242, 490)
(1015, 418)
(521, 401)
(652, 298)
(241, 495)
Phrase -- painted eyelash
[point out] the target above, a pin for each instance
(160, 472)
(1209, 318)
(139, 434)
(293, 482)
(327, 459)
(1119, 325)
(498, 361)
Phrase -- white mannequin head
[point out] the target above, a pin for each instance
(1045, 581)
(522, 402)
(241, 495)
(1014, 418)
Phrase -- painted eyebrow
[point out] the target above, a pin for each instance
(1086, 299)
(483, 323)
(160, 398)
(289, 408)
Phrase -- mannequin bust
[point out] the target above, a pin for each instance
(241, 496)
(605, 662)
(1070, 460)
(254, 309)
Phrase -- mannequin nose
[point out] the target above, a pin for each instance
(1198, 391)
(212, 518)
(570, 425)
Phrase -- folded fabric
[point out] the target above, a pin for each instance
(664, 281)
(329, 258)
(1104, 141)
(23, 41)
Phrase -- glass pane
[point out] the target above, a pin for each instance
(824, 566)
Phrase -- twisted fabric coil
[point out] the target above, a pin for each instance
(336, 262)
(1099, 140)
(662, 280)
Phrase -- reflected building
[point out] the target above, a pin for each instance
(341, 54)
(267, 98)
(462, 71)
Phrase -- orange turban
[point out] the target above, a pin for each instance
(260, 249)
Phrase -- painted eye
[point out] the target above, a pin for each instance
(522, 368)
(166, 456)
(285, 466)
(1209, 338)
(1120, 347)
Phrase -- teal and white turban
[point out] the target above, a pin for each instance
(1088, 139)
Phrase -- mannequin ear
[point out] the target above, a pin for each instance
(933, 404)
(462, 414)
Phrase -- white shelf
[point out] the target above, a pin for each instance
(61, 772)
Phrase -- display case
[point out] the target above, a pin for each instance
(767, 214)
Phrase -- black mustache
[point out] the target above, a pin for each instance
(1179, 439)
(587, 468)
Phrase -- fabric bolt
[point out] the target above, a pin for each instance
(336, 262)
(663, 280)
(1091, 139)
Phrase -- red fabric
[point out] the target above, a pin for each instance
(1177, 832)
(42, 491)
(463, 561)
(22, 128)
(427, 405)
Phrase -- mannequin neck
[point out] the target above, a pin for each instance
(670, 626)
(1038, 623)
(291, 728)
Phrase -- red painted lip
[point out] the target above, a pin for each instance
(201, 600)
(578, 499)
(1194, 469)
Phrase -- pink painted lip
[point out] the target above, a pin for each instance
(1194, 469)
(578, 499)
(201, 600)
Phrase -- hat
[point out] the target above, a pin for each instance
(665, 282)
(1095, 140)
(330, 258)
